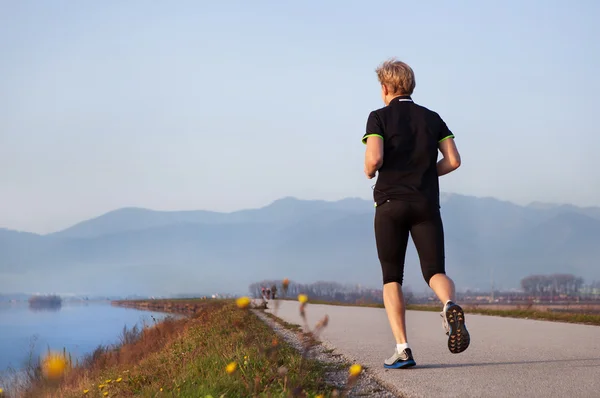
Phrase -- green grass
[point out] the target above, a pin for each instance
(290, 326)
(188, 358)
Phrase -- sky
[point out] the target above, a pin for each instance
(234, 104)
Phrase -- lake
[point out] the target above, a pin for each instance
(78, 327)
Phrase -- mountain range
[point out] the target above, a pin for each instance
(141, 251)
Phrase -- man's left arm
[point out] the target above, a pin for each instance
(373, 139)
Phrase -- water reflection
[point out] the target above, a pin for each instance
(45, 309)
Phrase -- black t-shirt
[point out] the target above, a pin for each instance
(411, 134)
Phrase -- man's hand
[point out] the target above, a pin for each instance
(369, 175)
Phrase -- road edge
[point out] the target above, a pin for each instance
(338, 362)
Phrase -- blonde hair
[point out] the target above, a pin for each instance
(397, 76)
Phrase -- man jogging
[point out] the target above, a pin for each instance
(402, 142)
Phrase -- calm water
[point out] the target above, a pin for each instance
(80, 328)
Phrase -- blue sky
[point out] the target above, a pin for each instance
(233, 104)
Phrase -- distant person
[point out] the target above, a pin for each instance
(273, 291)
(268, 293)
(402, 142)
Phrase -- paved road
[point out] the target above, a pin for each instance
(507, 357)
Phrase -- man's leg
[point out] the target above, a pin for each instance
(393, 300)
(428, 236)
(391, 236)
(443, 287)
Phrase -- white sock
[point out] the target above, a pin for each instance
(401, 347)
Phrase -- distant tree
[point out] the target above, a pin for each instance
(555, 284)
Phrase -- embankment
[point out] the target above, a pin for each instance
(219, 349)
(183, 306)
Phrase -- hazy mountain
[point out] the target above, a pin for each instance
(134, 219)
(141, 251)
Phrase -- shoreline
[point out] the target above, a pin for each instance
(216, 347)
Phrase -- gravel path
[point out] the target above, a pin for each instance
(367, 385)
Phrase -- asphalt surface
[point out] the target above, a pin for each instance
(507, 357)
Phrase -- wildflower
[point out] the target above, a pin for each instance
(320, 396)
(54, 366)
(120, 379)
(243, 302)
(323, 322)
(108, 381)
(105, 394)
(355, 370)
(1, 392)
(161, 389)
(101, 386)
(85, 391)
(303, 298)
(231, 367)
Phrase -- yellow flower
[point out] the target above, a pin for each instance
(120, 379)
(105, 394)
(355, 370)
(243, 302)
(303, 298)
(231, 367)
(86, 391)
(161, 389)
(54, 365)
(108, 381)
(320, 396)
(1, 391)
(101, 386)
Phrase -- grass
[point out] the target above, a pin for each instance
(579, 318)
(219, 351)
(290, 326)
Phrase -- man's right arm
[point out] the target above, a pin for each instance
(446, 145)
(451, 159)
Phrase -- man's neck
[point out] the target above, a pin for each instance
(390, 97)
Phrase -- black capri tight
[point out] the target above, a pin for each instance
(394, 220)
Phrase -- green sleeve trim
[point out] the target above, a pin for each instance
(364, 140)
(445, 138)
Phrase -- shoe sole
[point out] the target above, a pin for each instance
(458, 337)
(401, 364)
